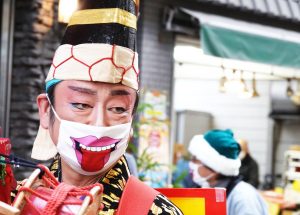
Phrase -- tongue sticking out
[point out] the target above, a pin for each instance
(94, 161)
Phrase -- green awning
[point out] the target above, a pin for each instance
(227, 43)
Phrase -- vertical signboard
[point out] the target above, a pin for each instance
(154, 137)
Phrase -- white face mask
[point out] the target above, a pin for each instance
(197, 178)
(90, 150)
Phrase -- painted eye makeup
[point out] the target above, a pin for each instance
(118, 110)
(80, 106)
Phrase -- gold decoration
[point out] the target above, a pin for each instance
(102, 16)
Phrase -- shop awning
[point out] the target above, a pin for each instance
(239, 45)
(227, 38)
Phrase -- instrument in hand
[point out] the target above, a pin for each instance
(42, 194)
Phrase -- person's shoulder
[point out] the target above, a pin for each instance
(162, 205)
(245, 198)
(242, 185)
(244, 190)
(252, 160)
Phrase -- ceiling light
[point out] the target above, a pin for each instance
(296, 97)
(234, 85)
(254, 90)
(223, 81)
(289, 89)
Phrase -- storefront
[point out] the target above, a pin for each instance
(241, 55)
(248, 53)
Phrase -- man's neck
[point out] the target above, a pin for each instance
(70, 176)
(222, 182)
(213, 180)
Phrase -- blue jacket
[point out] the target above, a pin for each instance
(245, 200)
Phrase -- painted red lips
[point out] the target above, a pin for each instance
(93, 153)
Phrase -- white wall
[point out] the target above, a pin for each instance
(248, 118)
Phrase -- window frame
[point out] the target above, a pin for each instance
(7, 29)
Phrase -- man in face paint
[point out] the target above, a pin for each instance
(88, 103)
(91, 95)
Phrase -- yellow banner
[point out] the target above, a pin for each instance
(190, 206)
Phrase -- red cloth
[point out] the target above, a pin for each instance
(137, 198)
(8, 183)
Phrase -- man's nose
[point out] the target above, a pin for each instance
(99, 122)
(98, 117)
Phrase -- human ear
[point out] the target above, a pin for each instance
(44, 110)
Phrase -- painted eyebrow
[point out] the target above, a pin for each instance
(83, 90)
(119, 93)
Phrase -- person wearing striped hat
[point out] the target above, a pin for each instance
(91, 96)
(215, 163)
